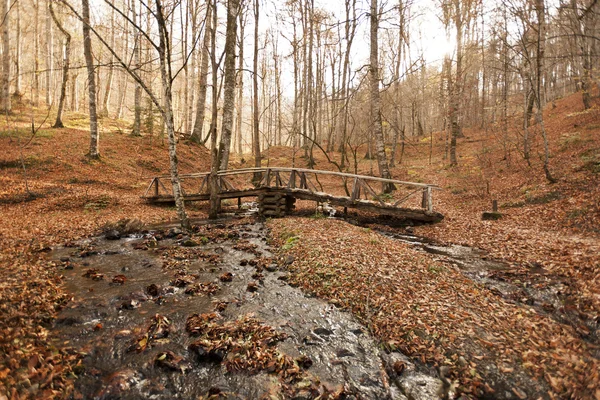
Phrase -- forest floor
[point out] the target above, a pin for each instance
(488, 342)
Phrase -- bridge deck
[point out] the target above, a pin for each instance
(302, 184)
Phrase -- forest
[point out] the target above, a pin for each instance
(490, 108)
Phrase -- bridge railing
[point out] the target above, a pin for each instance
(355, 187)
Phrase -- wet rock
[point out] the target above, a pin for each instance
(272, 267)
(94, 274)
(205, 354)
(323, 331)
(289, 259)
(304, 362)
(119, 279)
(153, 290)
(357, 331)
(226, 277)
(113, 234)
(173, 232)
(130, 304)
(124, 269)
(243, 262)
(344, 353)
(252, 287)
(171, 361)
(310, 341)
(65, 259)
(189, 243)
(416, 385)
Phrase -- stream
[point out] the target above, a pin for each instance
(536, 289)
(133, 296)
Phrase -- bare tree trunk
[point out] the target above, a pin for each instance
(455, 96)
(375, 101)
(350, 29)
(202, 84)
(49, 56)
(89, 61)
(240, 98)
(166, 78)
(539, 64)
(18, 94)
(255, 119)
(137, 55)
(109, 79)
(229, 83)
(214, 165)
(124, 80)
(66, 64)
(6, 103)
(36, 50)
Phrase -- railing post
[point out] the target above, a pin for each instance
(355, 190)
(427, 202)
(156, 187)
(292, 182)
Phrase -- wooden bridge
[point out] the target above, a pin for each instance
(410, 200)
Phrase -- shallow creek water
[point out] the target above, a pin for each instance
(537, 289)
(106, 319)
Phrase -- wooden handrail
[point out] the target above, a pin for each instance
(304, 170)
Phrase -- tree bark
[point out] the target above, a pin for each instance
(255, 117)
(89, 61)
(137, 55)
(240, 96)
(49, 56)
(109, 79)
(6, 103)
(214, 165)
(18, 94)
(166, 78)
(229, 83)
(202, 84)
(36, 50)
(375, 101)
(66, 65)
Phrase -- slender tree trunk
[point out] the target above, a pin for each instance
(18, 93)
(109, 79)
(125, 78)
(137, 55)
(6, 103)
(214, 165)
(229, 83)
(375, 101)
(36, 50)
(49, 55)
(255, 119)
(89, 61)
(455, 96)
(240, 98)
(202, 84)
(166, 78)
(66, 65)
